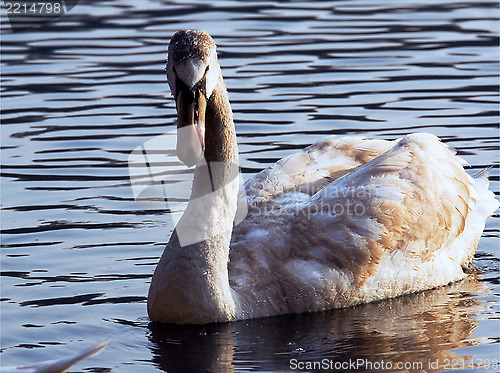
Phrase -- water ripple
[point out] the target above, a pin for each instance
(79, 94)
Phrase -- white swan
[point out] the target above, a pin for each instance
(345, 221)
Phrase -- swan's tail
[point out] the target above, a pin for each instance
(487, 203)
(482, 204)
(58, 365)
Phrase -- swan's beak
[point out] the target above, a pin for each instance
(191, 107)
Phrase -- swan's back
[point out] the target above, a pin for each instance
(352, 220)
(314, 167)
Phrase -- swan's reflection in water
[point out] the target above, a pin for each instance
(421, 328)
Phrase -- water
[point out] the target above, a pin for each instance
(79, 94)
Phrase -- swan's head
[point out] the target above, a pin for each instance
(192, 74)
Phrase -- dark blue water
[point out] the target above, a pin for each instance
(81, 92)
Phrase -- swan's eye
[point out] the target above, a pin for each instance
(180, 86)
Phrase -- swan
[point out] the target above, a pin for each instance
(345, 221)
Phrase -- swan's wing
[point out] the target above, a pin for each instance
(58, 365)
(314, 167)
(403, 222)
(412, 201)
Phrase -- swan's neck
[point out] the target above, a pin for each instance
(220, 143)
(213, 200)
(191, 284)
